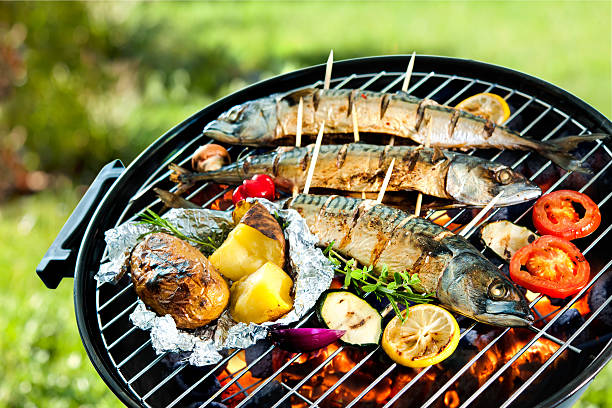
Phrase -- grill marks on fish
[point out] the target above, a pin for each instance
(273, 120)
(446, 264)
(341, 155)
(350, 167)
(375, 234)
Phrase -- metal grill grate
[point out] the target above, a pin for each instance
(141, 370)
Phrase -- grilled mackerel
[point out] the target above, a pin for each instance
(361, 168)
(449, 266)
(272, 120)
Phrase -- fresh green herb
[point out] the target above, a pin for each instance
(284, 224)
(207, 246)
(400, 289)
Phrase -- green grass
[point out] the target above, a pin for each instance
(566, 43)
(43, 361)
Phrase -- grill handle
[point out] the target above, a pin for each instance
(60, 259)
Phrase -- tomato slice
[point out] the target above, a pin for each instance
(555, 214)
(551, 266)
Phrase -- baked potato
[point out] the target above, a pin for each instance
(172, 277)
(257, 239)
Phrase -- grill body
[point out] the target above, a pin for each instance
(122, 354)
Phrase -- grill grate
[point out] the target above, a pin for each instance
(130, 349)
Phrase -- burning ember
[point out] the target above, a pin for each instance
(504, 350)
(369, 372)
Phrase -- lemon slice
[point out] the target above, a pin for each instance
(427, 336)
(487, 105)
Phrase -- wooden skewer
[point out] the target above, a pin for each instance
(408, 73)
(313, 161)
(385, 183)
(298, 129)
(419, 202)
(328, 69)
(355, 125)
(466, 230)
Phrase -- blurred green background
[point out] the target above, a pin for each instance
(83, 83)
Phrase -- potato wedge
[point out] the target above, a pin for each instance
(241, 209)
(261, 296)
(259, 218)
(257, 239)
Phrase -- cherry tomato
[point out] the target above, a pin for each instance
(555, 214)
(260, 185)
(239, 194)
(551, 266)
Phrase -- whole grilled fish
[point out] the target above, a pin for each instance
(462, 279)
(361, 167)
(272, 120)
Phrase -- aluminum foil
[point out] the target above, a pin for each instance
(310, 269)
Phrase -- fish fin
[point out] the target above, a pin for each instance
(294, 97)
(557, 150)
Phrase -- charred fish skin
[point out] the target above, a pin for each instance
(272, 120)
(361, 168)
(449, 266)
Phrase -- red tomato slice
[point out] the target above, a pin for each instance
(551, 266)
(555, 214)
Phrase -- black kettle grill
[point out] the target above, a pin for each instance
(122, 354)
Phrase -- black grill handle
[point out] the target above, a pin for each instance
(60, 259)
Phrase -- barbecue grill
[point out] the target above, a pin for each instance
(540, 367)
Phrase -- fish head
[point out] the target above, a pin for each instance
(251, 123)
(474, 287)
(476, 181)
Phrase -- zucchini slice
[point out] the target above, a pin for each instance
(342, 310)
(505, 238)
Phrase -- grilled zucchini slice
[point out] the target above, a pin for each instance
(342, 310)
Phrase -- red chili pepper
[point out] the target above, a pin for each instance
(555, 214)
(260, 185)
(552, 266)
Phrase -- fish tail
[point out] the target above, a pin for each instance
(186, 179)
(557, 150)
(180, 176)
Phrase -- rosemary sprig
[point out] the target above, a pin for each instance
(206, 246)
(400, 289)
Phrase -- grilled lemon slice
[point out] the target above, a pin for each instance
(427, 336)
(487, 105)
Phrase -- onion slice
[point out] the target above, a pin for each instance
(305, 339)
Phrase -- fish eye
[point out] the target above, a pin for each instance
(497, 290)
(233, 115)
(504, 176)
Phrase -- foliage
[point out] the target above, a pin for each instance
(44, 363)
(104, 80)
(397, 289)
(206, 245)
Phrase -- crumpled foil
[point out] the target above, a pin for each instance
(311, 272)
